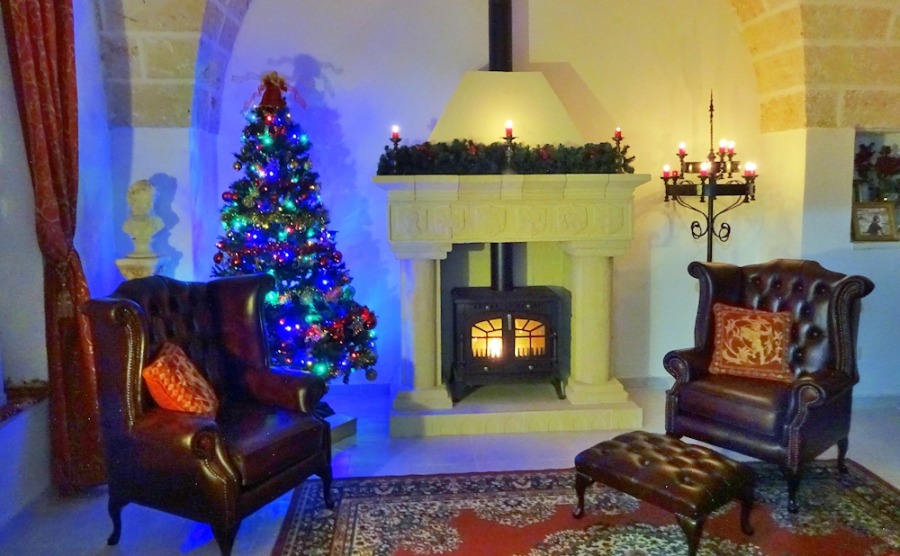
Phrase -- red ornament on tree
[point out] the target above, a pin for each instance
(217, 258)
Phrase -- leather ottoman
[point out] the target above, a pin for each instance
(687, 480)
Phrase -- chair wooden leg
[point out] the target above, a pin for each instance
(793, 483)
(582, 481)
(746, 498)
(225, 537)
(693, 529)
(326, 477)
(842, 445)
(114, 507)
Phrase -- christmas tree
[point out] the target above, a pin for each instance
(274, 222)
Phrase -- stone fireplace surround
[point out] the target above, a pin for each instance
(588, 215)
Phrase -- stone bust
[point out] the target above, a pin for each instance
(142, 224)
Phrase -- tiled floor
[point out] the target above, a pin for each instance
(80, 525)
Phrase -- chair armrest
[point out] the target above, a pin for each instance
(687, 364)
(287, 388)
(815, 391)
(174, 441)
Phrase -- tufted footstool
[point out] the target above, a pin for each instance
(687, 480)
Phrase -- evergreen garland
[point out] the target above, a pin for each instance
(463, 156)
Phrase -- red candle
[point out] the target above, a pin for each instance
(674, 173)
(618, 133)
(682, 148)
(750, 169)
(704, 169)
(395, 132)
(722, 144)
(731, 147)
(509, 128)
(667, 171)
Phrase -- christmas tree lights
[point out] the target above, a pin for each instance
(274, 221)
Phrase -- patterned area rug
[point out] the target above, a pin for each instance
(528, 513)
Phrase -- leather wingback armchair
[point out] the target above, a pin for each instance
(265, 438)
(785, 423)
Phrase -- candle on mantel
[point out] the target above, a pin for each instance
(618, 133)
(509, 128)
(395, 132)
(682, 148)
(750, 169)
(667, 171)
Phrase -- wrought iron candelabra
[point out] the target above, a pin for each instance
(720, 176)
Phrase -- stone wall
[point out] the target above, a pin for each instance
(164, 60)
(819, 63)
(825, 63)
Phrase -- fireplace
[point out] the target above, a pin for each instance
(585, 219)
(504, 334)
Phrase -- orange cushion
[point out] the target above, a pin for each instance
(751, 343)
(175, 383)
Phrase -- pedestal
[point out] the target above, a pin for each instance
(139, 267)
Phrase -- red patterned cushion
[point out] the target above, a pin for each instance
(751, 343)
(175, 383)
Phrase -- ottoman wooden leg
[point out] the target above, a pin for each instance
(746, 498)
(693, 529)
(582, 481)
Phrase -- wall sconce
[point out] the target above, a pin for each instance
(719, 176)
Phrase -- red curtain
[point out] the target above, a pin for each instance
(41, 43)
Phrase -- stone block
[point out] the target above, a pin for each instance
(773, 31)
(783, 112)
(158, 15)
(821, 108)
(170, 56)
(845, 22)
(161, 104)
(120, 56)
(841, 64)
(780, 71)
(748, 9)
(869, 109)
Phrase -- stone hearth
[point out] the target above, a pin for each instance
(588, 215)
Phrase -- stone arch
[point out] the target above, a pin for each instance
(824, 65)
(164, 61)
(817, 65)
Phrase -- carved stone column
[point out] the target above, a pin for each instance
(590, 282)
(420, 309)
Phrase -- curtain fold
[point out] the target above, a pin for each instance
(41, 44)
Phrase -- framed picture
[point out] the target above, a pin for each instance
(874, 222)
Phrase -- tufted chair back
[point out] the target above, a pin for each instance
(785, 423)
(824, 306)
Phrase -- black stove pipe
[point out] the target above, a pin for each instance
(500, 45)
(500, 35)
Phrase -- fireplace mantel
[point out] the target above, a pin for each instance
(589, 215)
(431, 213)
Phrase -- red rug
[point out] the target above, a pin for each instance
(529, 513)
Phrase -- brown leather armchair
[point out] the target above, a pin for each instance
(785, 423)
(265, 438)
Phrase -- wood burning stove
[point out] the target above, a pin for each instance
(504, 334)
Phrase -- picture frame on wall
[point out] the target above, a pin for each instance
(874, 222)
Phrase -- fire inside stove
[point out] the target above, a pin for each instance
(529, 338)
